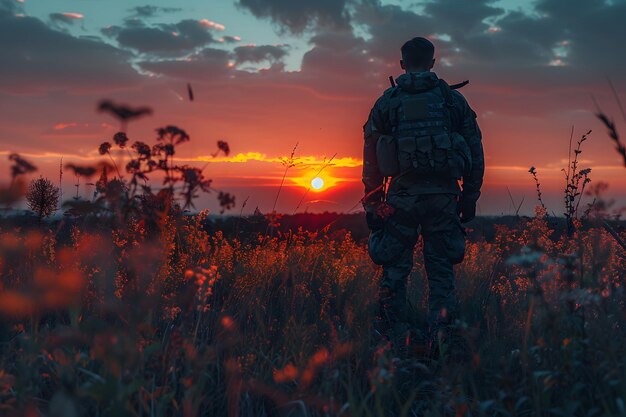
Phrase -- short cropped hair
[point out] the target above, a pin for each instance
(417, 52)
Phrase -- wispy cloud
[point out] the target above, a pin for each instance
(550, 168)
(305, 161)
(345, 162)
(66, 17)
(63, 126)
(73, 15)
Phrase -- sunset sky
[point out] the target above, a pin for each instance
(268, 74)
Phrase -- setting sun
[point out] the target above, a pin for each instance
(317, 183)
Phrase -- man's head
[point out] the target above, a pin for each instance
(417, 55)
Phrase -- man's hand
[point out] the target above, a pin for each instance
(374, 221)
(467, 210)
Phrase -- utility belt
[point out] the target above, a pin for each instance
(404, 218)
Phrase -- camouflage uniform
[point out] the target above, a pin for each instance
(429, 206)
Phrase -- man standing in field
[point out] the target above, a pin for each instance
(421, 140)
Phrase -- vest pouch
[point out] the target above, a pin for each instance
(387, 156)
(462, 156)
(415, 154)
(442, 146)
(442, 141)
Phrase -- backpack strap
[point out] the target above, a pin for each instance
(451, 109)
(446, 92)
(394, 104)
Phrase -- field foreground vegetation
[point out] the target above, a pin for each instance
(130, 307)
(183, 321)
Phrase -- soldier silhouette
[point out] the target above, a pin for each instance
(421, 140)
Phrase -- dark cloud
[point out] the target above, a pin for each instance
(337, 55)
(9, 8)
(559, 45)
(37, 58)
(151, 11)
(297, 16)
(594, 29)
(260, 53)
(389, 26)
(461, 16)
(166, 39)
(208, 64)
(129, 22)
(515, 39)
(231, 39)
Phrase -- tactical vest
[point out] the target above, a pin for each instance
(424, 140)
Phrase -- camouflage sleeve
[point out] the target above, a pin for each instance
(375, 126)
(468, 128)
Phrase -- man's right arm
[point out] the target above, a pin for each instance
(376, 126)
(473, 181)
(469, 129)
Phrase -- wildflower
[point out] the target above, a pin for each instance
(223, 146)
(227, 200)
(173, 134)
(142, 149)
(6, 380)
(82, 170)
(320, 357)
(527, 258)
(20, 165)
(102, 182)
(288, 373)
(104, 148)
(120, 139)
(228, 323)
(13, 303)
(132, 166)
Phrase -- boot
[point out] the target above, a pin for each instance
(448, 345)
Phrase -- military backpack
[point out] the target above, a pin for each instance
(424, 139)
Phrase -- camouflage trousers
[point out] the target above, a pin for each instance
(435, 217)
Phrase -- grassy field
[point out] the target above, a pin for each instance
(179, 321)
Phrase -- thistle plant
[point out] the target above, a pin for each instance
(533, 172)
(576, 180)
(42, 197)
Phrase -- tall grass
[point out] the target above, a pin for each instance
(192, 323)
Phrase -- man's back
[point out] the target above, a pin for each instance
(422, 137)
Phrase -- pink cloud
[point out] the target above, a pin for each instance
(63, 126)
(209, 24)
(72, 15)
